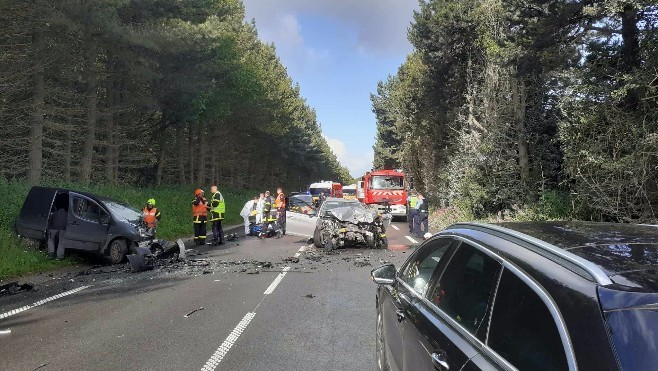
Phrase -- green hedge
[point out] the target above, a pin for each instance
(175, 203)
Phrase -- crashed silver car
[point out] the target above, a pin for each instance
(349, 223)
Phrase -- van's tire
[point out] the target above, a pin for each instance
(116, 253)
(317, 238)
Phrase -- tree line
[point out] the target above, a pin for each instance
(151, 92)
(512, 105)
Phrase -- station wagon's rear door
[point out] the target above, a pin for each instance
(33, 220)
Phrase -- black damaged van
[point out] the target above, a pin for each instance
(95, 224)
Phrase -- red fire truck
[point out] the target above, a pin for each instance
(383, 187)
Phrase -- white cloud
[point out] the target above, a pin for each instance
(357, 163)
(379, 25)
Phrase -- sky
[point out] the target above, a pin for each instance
(337, 51)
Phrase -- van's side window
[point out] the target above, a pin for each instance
(85, 209)
(522, 328)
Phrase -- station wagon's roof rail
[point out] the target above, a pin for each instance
(563, 257)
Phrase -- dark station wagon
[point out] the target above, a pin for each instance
(527, 296)
(95, 224)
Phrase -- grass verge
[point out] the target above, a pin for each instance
(175, 203)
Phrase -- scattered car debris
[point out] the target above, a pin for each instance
(14, 288)
(310, 296)
(292, 259)
(362, 261)
(192, 312)
(42, 366)
(232, 237)
(143, 260)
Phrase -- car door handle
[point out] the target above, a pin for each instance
(440, 362)
(400, 314)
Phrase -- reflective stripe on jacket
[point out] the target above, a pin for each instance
(199, 208)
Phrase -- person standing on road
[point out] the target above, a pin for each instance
(269, 212)
(217, 210)
(199, 217)
(280, 204)
(412, 201)
(259, 208)
(151, 214)
(55, 233)
(321, 199)
(421, 221)
(246, 214)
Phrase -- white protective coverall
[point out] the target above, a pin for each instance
(245, 213)
(259, 210)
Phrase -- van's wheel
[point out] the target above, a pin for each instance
(117, 251)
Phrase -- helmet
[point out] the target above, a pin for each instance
(151, 201)
(198, 192)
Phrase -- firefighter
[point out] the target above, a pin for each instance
(280, 204)
(151, 214)
(199, 215)
(269, 213)
(217, 209)
(412, 200)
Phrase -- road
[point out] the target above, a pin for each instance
(317, 313)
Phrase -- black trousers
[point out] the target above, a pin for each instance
(421, 224)
(217, 232)
(410, 219)
(200, 231)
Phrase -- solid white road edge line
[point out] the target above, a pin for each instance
(395, 227)
(41, 302)
(411, 239)
(276, 281)
(223, 349)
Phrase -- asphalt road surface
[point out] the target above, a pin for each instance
(254, 311)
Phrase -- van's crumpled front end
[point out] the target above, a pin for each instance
(353, 225)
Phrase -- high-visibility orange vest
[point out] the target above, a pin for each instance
(150, 216)
(280, 201)
(200, 209)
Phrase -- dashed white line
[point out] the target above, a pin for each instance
(276, 281)
(300, 251)
(223, 349)
(411, 239)
(41, 302)
(395, 227)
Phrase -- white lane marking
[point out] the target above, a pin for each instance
(276, 281)
(300, 251)
(395, 227)
(223, 349)
(411, 239)
(41, 302)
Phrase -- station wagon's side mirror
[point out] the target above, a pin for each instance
(384, 275)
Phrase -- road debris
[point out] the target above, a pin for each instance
(292, 259)
(42, 366)
(194, 311)
(14, 288)
(310, 296)
(362, 261)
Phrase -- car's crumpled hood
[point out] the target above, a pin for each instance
(354, 214)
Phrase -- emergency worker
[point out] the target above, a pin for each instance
(259, 208)
(269, 212)
(280, 204)
(412, 201)
(421, 221)
(248, 214)
(199, 217)
(151, 214)
(217, 210)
